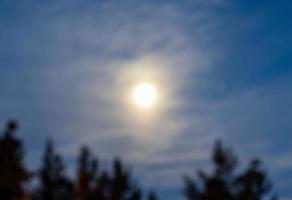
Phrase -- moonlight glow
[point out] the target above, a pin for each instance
(145, 95)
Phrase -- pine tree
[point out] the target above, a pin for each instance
(116, 185)
(120, 181)
(223, 183)
(54, 185)
(252, 183)
(13, 174)
(102, 189)
(87, 169)
(136, 195)
(152, 196)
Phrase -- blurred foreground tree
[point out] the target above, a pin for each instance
(224, 184)
(12, 172)
(152, 196)
(54, 185)
(115, 184)
(86, 174)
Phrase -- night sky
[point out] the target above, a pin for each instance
(222, 68)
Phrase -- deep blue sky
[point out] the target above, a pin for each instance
(224, 68)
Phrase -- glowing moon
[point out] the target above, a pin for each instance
(145, 95)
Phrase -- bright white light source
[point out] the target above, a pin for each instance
(145, 95)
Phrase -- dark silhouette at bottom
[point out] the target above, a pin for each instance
(93, 183)
(224, 184)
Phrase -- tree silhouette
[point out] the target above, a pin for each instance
(224, 184)
(120, 181)
(152, 196)
(86, 175)
(102, 188)
(54, 185)
(118, 186)
(107, 185)
(136, 195)
(12, 172)
(252, 183)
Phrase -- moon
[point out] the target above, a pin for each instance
(145, 95)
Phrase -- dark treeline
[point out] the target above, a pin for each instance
(93, 183)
